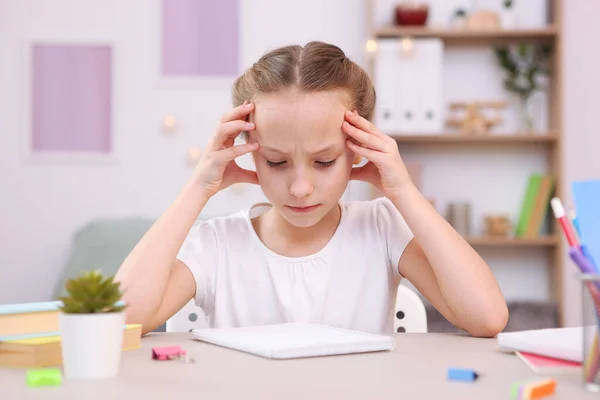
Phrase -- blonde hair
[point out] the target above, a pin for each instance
(315, 67)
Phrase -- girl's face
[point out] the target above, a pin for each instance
(303, 164)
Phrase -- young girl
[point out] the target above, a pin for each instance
(306, 255)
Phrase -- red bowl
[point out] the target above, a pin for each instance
(411, 15)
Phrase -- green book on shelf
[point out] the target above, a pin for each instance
(533, 187)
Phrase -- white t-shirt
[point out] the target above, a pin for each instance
(350, 283)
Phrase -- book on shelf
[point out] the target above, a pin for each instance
(535, 205)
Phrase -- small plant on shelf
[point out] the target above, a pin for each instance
(524, 66)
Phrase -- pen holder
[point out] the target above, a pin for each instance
(591, 329)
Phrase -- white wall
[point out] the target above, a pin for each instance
(42, 205)
(581, 122)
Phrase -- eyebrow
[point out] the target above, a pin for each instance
(314, 153)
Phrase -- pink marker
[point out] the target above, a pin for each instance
(559, 214)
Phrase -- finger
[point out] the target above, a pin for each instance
(364, 174)
(366, 139)
(230, 130)
(362, 123)
(239, 112)
(234, 152)
(228, 143)
(358, 174)
(246, 176)
(369, 154)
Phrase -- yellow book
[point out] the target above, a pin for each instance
(45, 351)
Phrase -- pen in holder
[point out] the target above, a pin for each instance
(591, 327)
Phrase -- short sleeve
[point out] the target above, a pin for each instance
(394, 231)
(199, 254)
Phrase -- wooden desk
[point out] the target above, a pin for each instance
(416, 369)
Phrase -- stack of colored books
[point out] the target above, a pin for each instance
(535, 205)
(30, 337)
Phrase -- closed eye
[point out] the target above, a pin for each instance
(326, 164)
(273, 164)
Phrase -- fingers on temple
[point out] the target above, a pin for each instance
(369, 154)
(366, 139)
(364, 124)
(234, 152)
(239, 112)
(231, 129)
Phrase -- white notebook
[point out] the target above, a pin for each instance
(295, 340)
(562, 343)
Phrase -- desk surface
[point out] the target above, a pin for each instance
(416, 369)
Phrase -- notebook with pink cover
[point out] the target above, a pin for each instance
(549, 365)
(561, 343)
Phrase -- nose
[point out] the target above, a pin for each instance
(301, 186)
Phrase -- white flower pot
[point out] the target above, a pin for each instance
(91, 344)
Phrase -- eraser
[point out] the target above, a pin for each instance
(44, 377)
(461, 374)
(531, 390)
(541, 389)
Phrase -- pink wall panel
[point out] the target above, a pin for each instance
(200, 37)
(71, 98)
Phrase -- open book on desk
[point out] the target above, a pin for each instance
(295, 340)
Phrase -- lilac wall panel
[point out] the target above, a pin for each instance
(71, 98)
(200, 37)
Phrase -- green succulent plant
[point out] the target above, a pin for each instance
(92, 293)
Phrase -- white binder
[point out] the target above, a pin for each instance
(408, 81)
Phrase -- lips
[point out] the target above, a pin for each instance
(304, 209)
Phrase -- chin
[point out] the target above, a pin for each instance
(300, 220)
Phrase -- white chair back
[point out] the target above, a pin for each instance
(411, 315)
(189, 317)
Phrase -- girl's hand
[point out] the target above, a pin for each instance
(384, 169)
(217, 168)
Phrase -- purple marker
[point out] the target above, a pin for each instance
(582, 262)
(585, 266)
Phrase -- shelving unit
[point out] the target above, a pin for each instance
(551, 140)
(457, 37)
(542, 241)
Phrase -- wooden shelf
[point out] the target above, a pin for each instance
(465, 37)
(550, 143)
(454, 138)
(489, 241)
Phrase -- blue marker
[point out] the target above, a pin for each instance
(459, 374)
(588, 255)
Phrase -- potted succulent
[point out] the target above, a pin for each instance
(508, 17)
(525, 67)
(92, 321)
